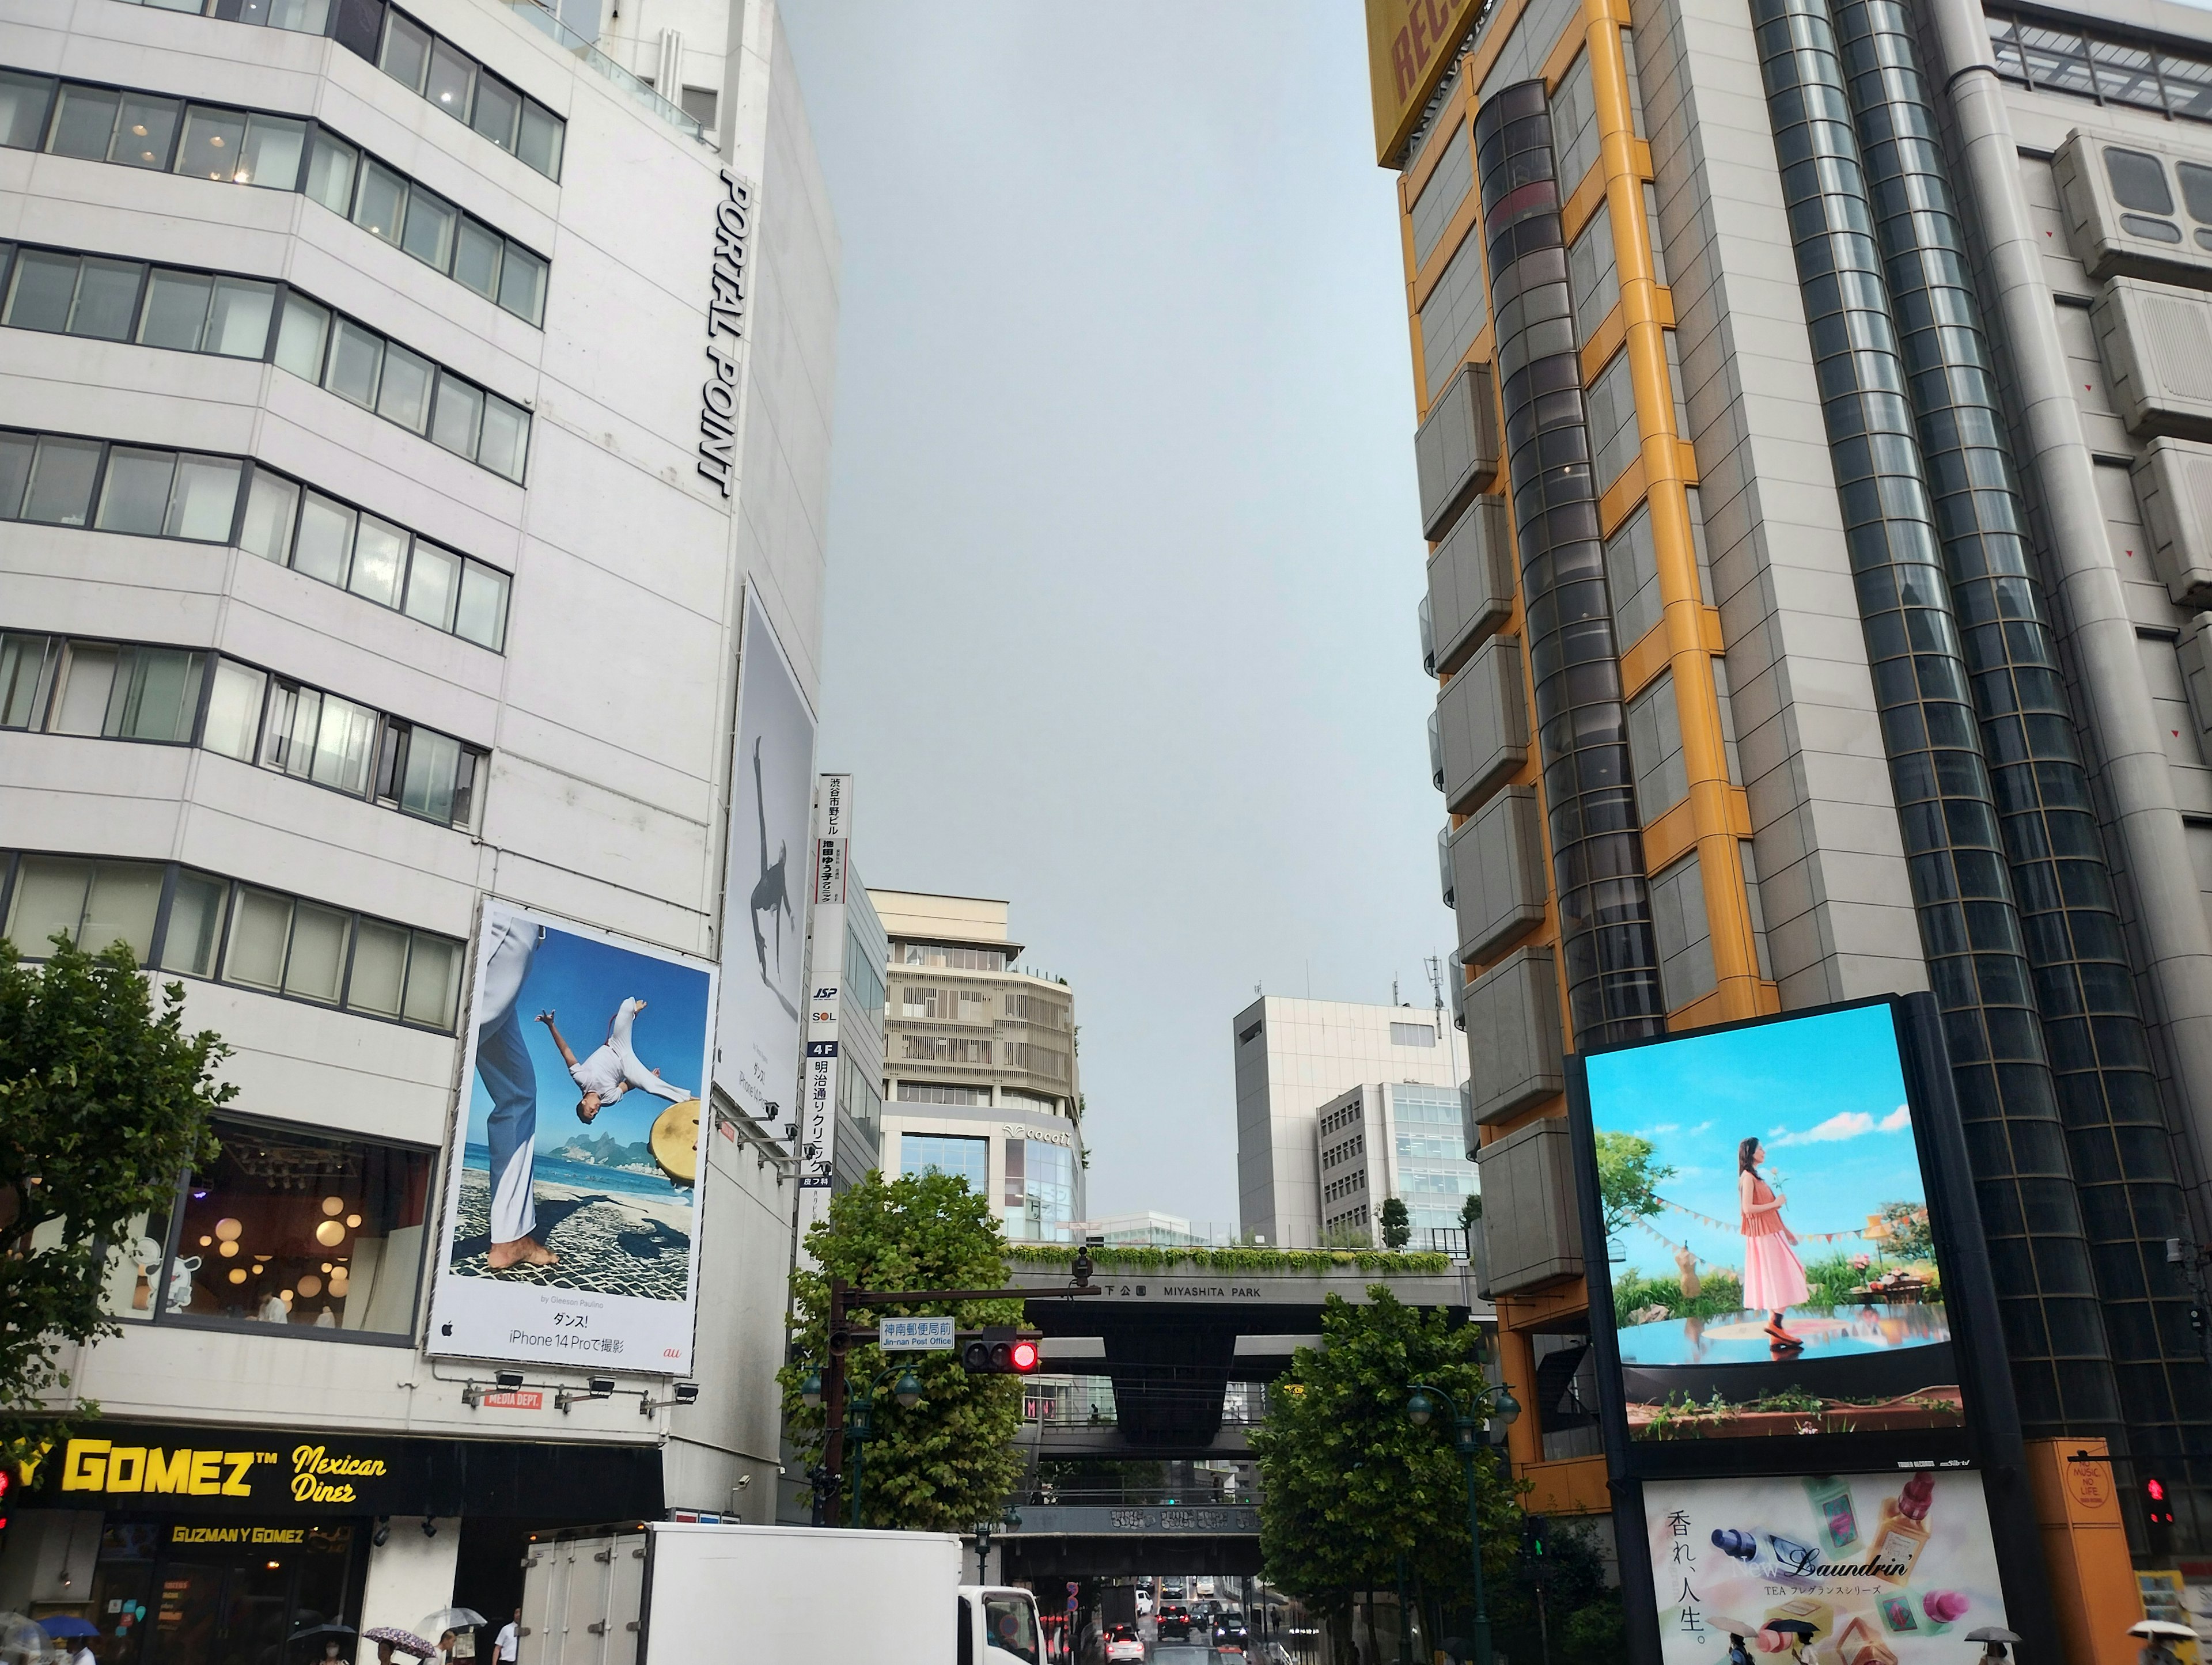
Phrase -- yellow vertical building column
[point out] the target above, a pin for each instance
(1689, 655)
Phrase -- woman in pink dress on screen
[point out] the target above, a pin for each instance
(1773, 1277)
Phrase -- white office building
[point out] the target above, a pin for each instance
(1295, 1056)
(399, 404)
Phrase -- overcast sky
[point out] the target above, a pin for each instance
(1124, 548)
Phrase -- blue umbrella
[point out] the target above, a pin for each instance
(68, 1625)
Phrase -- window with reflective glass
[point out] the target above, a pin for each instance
(428, 234)
(215, 144)
(23, 101)
(144, 131)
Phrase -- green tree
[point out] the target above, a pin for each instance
(1470, 1211)
(1628, 1179)
(950, 1461)
(1397, 1224)
(1584, 1618)
(1349, 1483)
(104, 1106)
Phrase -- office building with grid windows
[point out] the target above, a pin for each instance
(387, 461)
(1812, 463)
(980, 1075)
(1398, 1139)
(1293, 1057)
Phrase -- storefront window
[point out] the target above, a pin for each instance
(286, 1227)
(229, 1594)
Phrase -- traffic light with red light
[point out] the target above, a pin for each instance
(1001, 1349)
(2157, 1514)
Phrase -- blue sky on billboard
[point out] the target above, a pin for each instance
(582, 981)
(1824, 1094)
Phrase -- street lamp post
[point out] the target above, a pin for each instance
(984, 1530)
(861, 1420)
(1468, 1438)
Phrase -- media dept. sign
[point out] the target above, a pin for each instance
(234, 1471)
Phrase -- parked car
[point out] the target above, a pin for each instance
(1122, 1642)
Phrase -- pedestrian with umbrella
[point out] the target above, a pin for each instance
(391, 1639)
(79, 1631)
(447, 1625)
(333, 1637)
(1994, 1639)
(2158, 1635)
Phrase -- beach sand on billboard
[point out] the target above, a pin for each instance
(611, 1242)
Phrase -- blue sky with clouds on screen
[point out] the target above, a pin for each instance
(1824, 1094)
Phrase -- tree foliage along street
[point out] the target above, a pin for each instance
(1349, 1483)
(104, 1105)
(950, 1461)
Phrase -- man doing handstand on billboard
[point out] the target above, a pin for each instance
(614, 1069)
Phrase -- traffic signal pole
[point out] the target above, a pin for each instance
(844, 1297)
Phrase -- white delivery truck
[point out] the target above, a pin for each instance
(674, 1593)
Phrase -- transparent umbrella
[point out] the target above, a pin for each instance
(450, 1619)
(22, 1642)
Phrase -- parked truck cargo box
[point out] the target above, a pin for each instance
(665, 1593)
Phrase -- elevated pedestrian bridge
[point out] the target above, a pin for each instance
(1124, 1539)
(1172, 1339)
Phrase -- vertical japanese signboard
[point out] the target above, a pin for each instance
(818, 1131)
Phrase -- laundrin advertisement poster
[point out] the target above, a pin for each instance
(1887, 1568)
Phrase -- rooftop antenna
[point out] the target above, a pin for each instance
(1434, 966)
(1394, 1000)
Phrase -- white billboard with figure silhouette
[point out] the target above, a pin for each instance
(765, 886)
(571, 1209)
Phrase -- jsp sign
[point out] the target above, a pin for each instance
(726, 332)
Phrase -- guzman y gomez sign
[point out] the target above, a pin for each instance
(726, 332)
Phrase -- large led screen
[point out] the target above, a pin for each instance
(1889, 1569)
(1769, 1249)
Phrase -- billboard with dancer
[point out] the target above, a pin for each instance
(571, 1211)
(765, 885)
(1890, 1568)
(1772, 1262)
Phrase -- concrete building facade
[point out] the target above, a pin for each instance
(1854, 646)
(1292, 1058)
(376, 526)
(980, 1074)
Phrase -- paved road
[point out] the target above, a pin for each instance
(1192, 1652)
